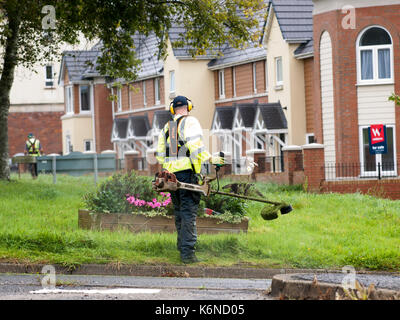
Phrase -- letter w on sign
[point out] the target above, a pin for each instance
(173, 138)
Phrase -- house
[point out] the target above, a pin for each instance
(36, 105)
(263, 95)
(357, 58)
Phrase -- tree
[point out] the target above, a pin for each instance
(396, 98)
(32, 31)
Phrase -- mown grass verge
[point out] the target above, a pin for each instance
(39, 223)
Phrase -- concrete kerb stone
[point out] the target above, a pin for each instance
(157, 270)
(284, 286)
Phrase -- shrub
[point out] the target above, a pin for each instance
(114, 193)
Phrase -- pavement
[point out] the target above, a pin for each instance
(301, 284)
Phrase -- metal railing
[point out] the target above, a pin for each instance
(355, 171)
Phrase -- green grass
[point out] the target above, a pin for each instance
(39, 223)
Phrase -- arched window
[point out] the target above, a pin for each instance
(375, 56)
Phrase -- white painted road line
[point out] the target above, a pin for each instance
(97, 291)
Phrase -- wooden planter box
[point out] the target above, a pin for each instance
(138, 223)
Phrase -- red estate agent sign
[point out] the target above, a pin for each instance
(377, 139)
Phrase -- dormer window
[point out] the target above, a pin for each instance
(375, 56)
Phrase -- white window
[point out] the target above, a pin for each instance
(68, 144)
(172, 81)
(49, 76)
(375, 56)
(310, 138)
(87, 144)
(279, 71)
(234, 80)
(372, 164)
(144, 94)
(69, 100)
(266, 75)
(84, 98)
(221, 83)
(254, 77)
(119, 99)
(129, 96)
(157, 91)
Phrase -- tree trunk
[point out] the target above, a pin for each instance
(6, 81)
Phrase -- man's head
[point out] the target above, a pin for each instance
(180, 105)
(30, 135)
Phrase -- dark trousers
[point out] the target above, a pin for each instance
(186, 204)
(33, 169)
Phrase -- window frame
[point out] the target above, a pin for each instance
(234, 81)
(157, 91)
(80, 99)
(91, 144)
(49, 79)
(70, 109)
(221, 83)
(277, 81)
(172, 86)
(308, 136)
(119, 99)
(254, 67)
(375, 59)
(144, 93)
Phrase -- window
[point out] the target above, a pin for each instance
(84, 98)
(68, 144)
(144, 94)
(157, 91)
(386, 163)
(266, 75)
(172, 81)
(279, 71)
(69, 101)
(221, 83)
(87, 145)
(234, 81)
(119, 99)
(49, 82)
(375, 56)
(254, 77)
(310, 138)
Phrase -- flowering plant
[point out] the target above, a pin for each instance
(140, 204)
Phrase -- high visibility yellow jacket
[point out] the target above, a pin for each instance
(191, 149)
(33, 147)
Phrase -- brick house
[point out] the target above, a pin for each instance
(357, 62)
(36, 105)
(263, 95)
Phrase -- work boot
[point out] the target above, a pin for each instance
(191, 259)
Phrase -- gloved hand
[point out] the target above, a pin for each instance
(216, 160)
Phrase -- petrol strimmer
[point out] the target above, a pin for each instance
(166, 181)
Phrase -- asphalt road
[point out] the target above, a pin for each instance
(73, 287)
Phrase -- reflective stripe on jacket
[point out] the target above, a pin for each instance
(192, 152)
(33, 147)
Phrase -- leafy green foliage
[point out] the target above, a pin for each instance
(394, 97)
(28, 36)
(110, 196)
(231, 209)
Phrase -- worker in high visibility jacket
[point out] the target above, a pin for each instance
(33, 148)
(181, 151)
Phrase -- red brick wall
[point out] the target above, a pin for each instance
(308, 81)
(103, 117)
(46, 126)
(244, 80)
(345, 73)
(379, 188)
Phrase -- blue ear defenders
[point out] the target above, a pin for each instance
(189, 106)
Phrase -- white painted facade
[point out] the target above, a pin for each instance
(327, 99)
